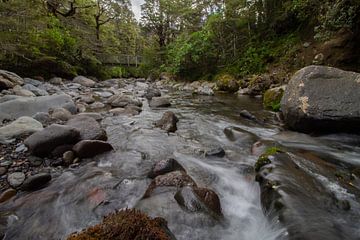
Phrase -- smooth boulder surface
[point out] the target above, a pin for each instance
(36, 182)
(195, 199)
(307, 197)
(86, 82)
(91, 148)
(28, 106)
(44, 142)
(23, 125)
(158, 102)
(88, 127)
(19, 91)
(9, 80)
(16, 179)
(322, 99)
(168, 122)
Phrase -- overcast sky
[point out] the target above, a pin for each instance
(136, 7)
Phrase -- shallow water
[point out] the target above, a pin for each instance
(81, 197)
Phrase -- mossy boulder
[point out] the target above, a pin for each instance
(272, 98)
(126, 225)
(227, 82)
(264, 158)
(258, 84)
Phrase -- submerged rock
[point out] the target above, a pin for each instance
(168, 122)
(323, 99)
(127, 225)
(215, 152)
(196, 199)
(91, 148)
(165, 166)
(43, 142)
(88, 127)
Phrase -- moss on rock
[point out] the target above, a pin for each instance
(226, 82)
(272, 98)
(264, 158)
(127, 224)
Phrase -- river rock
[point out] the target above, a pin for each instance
(196, 199)
(165, 166)
(22, 126)
(247, 115)
(87, 99)
(16, 179)
(44, 142)
(7, 194)
(152, 92)
(158, 102)
(3, 171)
(68, 157)
(60, 114)
(176, 179)
(35, 161)
(56, 81)
(96, 116)
(122, 101)
(168, 122)
(36, 182)
(33, 82)
(97, 105)
(215, 152)
(25, 106)
(86, 82)
(91, 148)
(104, 94)
(37, 91)
(320, 98)
(19, 91)
(9, 80)
(42, 117)
(88, 127)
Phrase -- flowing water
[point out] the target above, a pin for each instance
(80, 197)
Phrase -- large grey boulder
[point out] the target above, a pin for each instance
(88, 127)
(23, 125)
(28, 106)
(37, 91)
(42, 143)
(322, 99)
(86, 82)
(19, 91)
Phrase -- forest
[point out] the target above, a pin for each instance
(192, 40)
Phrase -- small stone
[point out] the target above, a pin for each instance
(6, 164)
(16, 179)
(3, 170)
(246, 114)
(35, 161)
(68, 157)
(165, 166)
(21, 148)
(36, 182)
(168, 122)
(7, 194)
(97, 105)
(216, 152)
(91, 148)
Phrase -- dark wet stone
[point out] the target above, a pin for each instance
(152, 92)
(247, 115)
(35, 161)
(88, 127)
(3, 170)
(165, 166)
(7, 194)
(68, 157)
(91, 148)
(216, 152)
(44, 142)
(176, 179)
(168, 122)
(60, 150)
(196, 199)
(36, 182)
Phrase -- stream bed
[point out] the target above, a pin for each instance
(80, 197)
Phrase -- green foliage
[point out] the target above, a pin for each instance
(264, 158)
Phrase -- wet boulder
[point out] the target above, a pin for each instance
(177, 179)
(196, 199)
(165, 166)
(159, 102)
(322, 99)
(91, 148)
(122, 101)
(215, 152)
(152, 92)
(45, 141)
(272, 98)
(88, 127)
(168, 122)
(36, 182)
